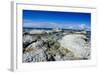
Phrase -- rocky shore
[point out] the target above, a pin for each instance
(55, 45)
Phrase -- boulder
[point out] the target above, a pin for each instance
(76, 44)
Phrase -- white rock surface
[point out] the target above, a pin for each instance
(76, 44)
(37, 32)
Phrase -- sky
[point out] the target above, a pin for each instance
(53, 19)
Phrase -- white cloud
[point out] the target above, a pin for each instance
(28, 23)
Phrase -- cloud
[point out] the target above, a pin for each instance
(29, 23)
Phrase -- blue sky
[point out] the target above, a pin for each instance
(52, 19)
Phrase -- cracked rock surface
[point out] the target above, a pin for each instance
(55, 46)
